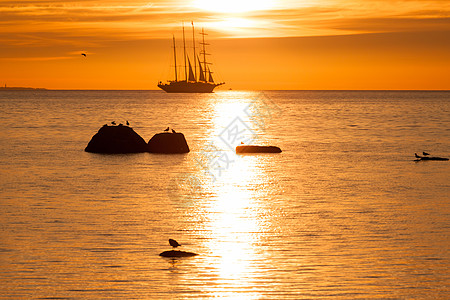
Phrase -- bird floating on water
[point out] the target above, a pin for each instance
(173, 243)
(425, 153)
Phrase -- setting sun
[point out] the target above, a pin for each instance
(233, 6)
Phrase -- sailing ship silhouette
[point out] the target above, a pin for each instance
(193, 82)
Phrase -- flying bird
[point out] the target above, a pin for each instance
(84, 54)
(173, 131)
(173, 243)
(167, 129)
(425, 153)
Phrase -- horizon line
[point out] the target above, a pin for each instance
(237, 90)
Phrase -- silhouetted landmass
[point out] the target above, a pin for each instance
(116, 139)
(19, 88)
(168, 143)
(257, 149)
(177, 253)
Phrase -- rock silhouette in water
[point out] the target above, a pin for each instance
(168, 143)
(257, 149)
(177, 253)
(420, 158)
(116, 139)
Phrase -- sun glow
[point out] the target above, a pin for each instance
(233, 6)
(232, 24)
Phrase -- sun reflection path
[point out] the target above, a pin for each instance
(236, 215)
(235, 225)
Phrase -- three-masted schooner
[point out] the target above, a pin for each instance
(194, 81)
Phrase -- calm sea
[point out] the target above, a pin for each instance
(342, 212)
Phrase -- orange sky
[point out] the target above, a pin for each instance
(265, 44)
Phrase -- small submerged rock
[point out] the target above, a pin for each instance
(427, 157)
(432, 158)
(116, 139)
(257, 149)
(177, 253)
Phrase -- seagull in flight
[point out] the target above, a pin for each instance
(84, 54)
(173, 243)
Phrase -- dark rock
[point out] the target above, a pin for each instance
(432, 158)
(168, 143)
(177, 253)
(116, 139)
(257, 149)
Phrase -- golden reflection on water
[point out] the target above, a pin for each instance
(234, 211)
(341, 213)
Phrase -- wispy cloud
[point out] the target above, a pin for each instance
(34, 22)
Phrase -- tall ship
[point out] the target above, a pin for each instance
(196, 79)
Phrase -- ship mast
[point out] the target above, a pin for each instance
(204, 52)
(184, 51)
(195, 57)
(175, 58)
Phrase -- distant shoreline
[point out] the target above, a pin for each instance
(18, 88)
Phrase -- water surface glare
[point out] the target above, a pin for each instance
(342, 212)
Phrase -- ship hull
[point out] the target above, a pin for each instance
(188, 87)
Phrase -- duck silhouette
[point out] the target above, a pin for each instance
(174, 243)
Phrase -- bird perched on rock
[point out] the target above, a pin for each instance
(425, 153)
(417, 156)
(113, 122)
(128, 123)
(173, 243)
(173, 131)
(167, 129)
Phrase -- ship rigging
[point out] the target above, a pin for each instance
(194, 81)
